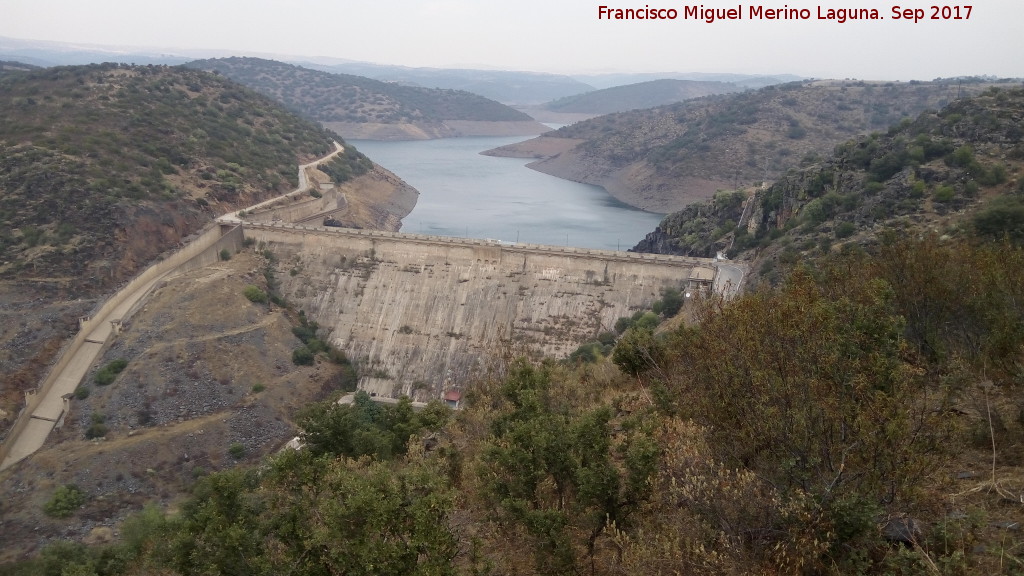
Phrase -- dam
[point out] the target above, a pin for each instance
(420, 314)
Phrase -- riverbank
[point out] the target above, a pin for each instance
(635, 184)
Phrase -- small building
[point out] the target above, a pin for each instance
(453, 398)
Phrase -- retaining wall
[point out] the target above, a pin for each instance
(298, 207)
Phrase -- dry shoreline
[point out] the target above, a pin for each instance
(635, 184)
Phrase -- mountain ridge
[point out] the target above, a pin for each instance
(358, 106)
(662, 159)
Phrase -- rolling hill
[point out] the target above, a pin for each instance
(359, 107)
(662, 159)
(635, 96)
(506, 86)
(105, 167)
(954, 172)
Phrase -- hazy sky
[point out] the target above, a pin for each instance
(547, 35)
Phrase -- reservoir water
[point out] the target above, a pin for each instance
(465, 194)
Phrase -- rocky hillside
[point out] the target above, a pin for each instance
(208, 383)
(953, 171)
(359, 107)
(103, 168)
(641, 95)
(662, 159)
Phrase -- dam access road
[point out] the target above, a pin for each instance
(47, 405)
(422, 312)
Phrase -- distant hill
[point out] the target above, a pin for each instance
(360, 107)
(45, 54)
(747, 81)
(664, 158)
(506, 86)
(642, 95)
(946, 172)
(9, 66)
(92, 155)
(105, 167)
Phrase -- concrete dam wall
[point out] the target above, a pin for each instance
(423, 313)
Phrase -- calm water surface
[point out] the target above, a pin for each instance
(464, 194)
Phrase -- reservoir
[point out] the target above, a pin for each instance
(465, 194)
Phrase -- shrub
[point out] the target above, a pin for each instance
(845, 229)
(671, 301)
(992, 176)
(587, 353)
(1004, 216)
(944, 194)
(258, 387)
(97, 428)
(302, 356)
(236, 450)
(225, 254)
(638, 351)
(65, 501)
(622, 324)
(255, 295)
(108, 373)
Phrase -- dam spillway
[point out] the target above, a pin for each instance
(423, 313)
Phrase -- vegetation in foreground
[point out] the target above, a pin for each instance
(793, 430)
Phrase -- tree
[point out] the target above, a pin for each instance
(366, 427)
(327, 516)
(808, 389)
(637, 351)
(65, 501)
(551, 472)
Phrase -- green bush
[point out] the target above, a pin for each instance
(638, 351)
(109, 373)
(845, 229)
(255, 295)
(236, 450)
(97, 428)
(302, 356)
(992, 176)
(622, 324)
(944, 194)
(65, 501)
(1003, 217)
(225, 254)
